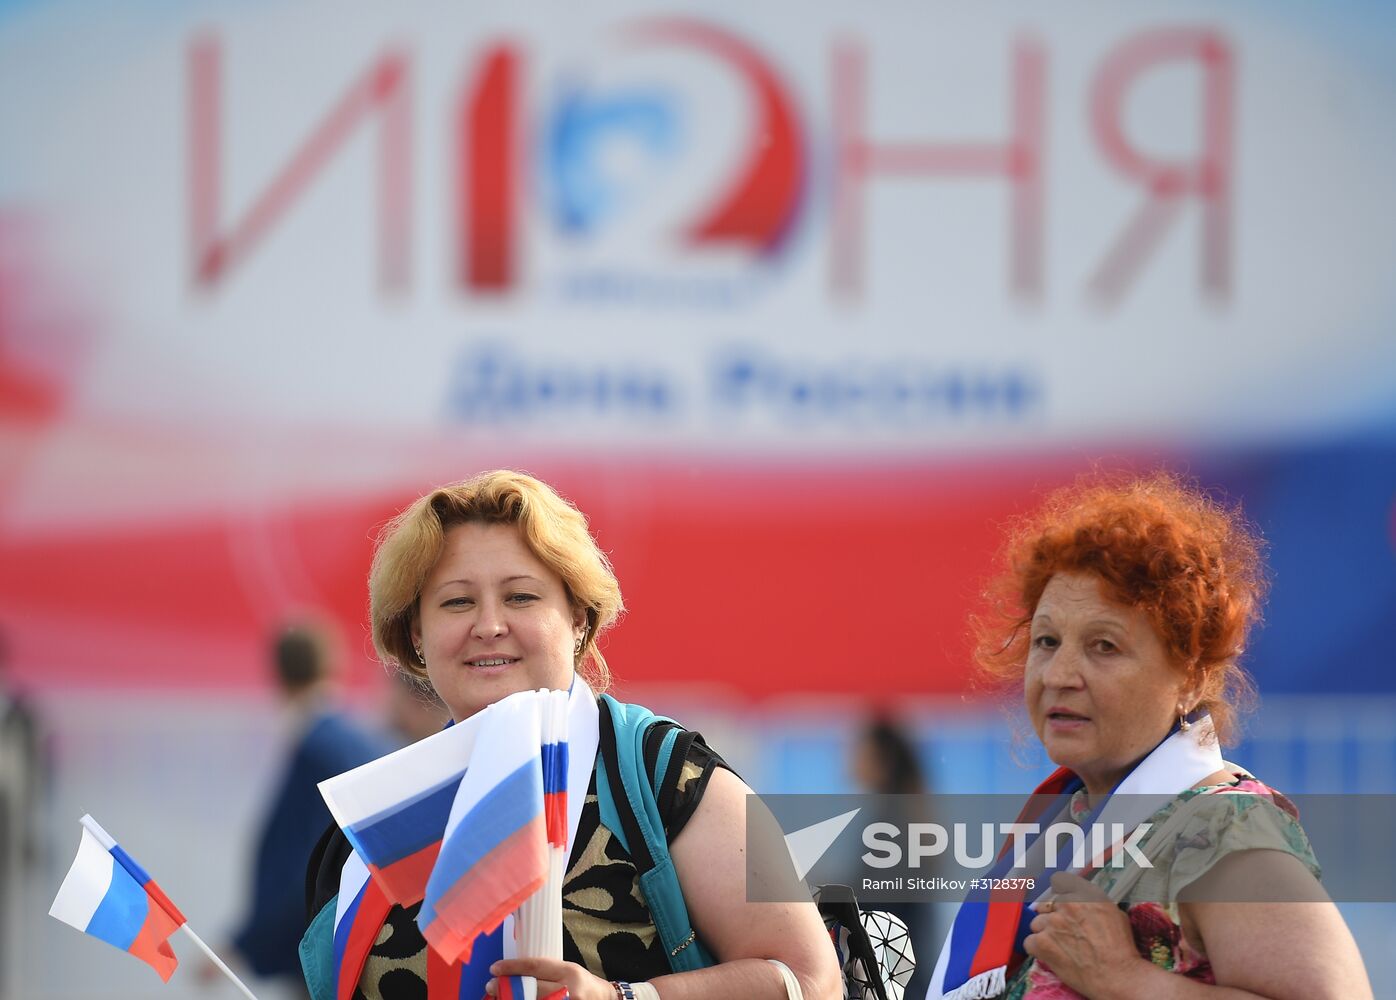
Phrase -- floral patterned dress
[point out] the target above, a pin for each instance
(1246, 815)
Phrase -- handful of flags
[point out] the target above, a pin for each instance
(472, 823)
(108, 895)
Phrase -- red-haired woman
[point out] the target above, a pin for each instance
(1122, 612)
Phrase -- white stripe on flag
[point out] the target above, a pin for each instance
(85, 885)
(379, 785)
(352, 878)
(512, 729)
(583, 737)
(103, 838)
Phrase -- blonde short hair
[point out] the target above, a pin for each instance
(553, 529)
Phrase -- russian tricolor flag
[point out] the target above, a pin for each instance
(471, 822)
(508, 819)
(394, 810)
(108, 895)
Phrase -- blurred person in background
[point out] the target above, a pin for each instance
(1121, 616)
(22, 768)
(885, 762)
(325, 741)
(414, 712)
(494, 586)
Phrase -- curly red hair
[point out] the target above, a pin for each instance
(1158, 544)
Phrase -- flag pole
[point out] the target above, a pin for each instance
(218, 962)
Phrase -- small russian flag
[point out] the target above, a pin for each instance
(496, 852)
(108, 895)
(471, 835)
(507, 834)
(394, 809)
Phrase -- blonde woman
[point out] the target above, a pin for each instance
(494, 586)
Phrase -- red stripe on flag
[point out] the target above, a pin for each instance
(405, 880)
(368, 921)
(451, 946)
(443, 977)
(507, 875)
(161, 900)
(152, 943)
(1000, 924)
(555, 810)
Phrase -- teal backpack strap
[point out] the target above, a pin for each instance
(627, 788)
(317, 953)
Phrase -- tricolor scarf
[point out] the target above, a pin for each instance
(363, 905)
(986, 939)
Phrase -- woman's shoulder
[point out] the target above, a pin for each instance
(692, 765)
(1243, 814)
(686, 771)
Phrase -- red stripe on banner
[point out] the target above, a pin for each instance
(405, 880)
(152, 944)
(507, 875)
(368, 921)
(928, 552)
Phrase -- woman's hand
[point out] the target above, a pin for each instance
(1084, 938)
(554, 978)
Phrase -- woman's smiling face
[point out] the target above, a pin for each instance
(493, 620)
(1099, 686)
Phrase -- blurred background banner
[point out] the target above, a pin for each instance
(798, 308)
(798, 302)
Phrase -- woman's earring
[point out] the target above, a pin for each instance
(420, 658)
(1183, 722)
(581, 641)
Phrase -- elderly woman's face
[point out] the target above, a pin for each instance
(493, 620)
(1099, 686)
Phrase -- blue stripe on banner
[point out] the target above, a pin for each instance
(554, 768)
(341, 933)
(407, 827)
(964, 940)
(122, 912)
(489, 948)
(504, 809)
(129, 863)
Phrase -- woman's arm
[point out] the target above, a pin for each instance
(1267, 927)
(709, 855)
(1291, 946)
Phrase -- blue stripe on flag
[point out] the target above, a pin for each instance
(341, 933)
(965, 936)
(504, 809)
(554, 768)
(489, 948)
(129, 863)
(121, 913)
(406, 827)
